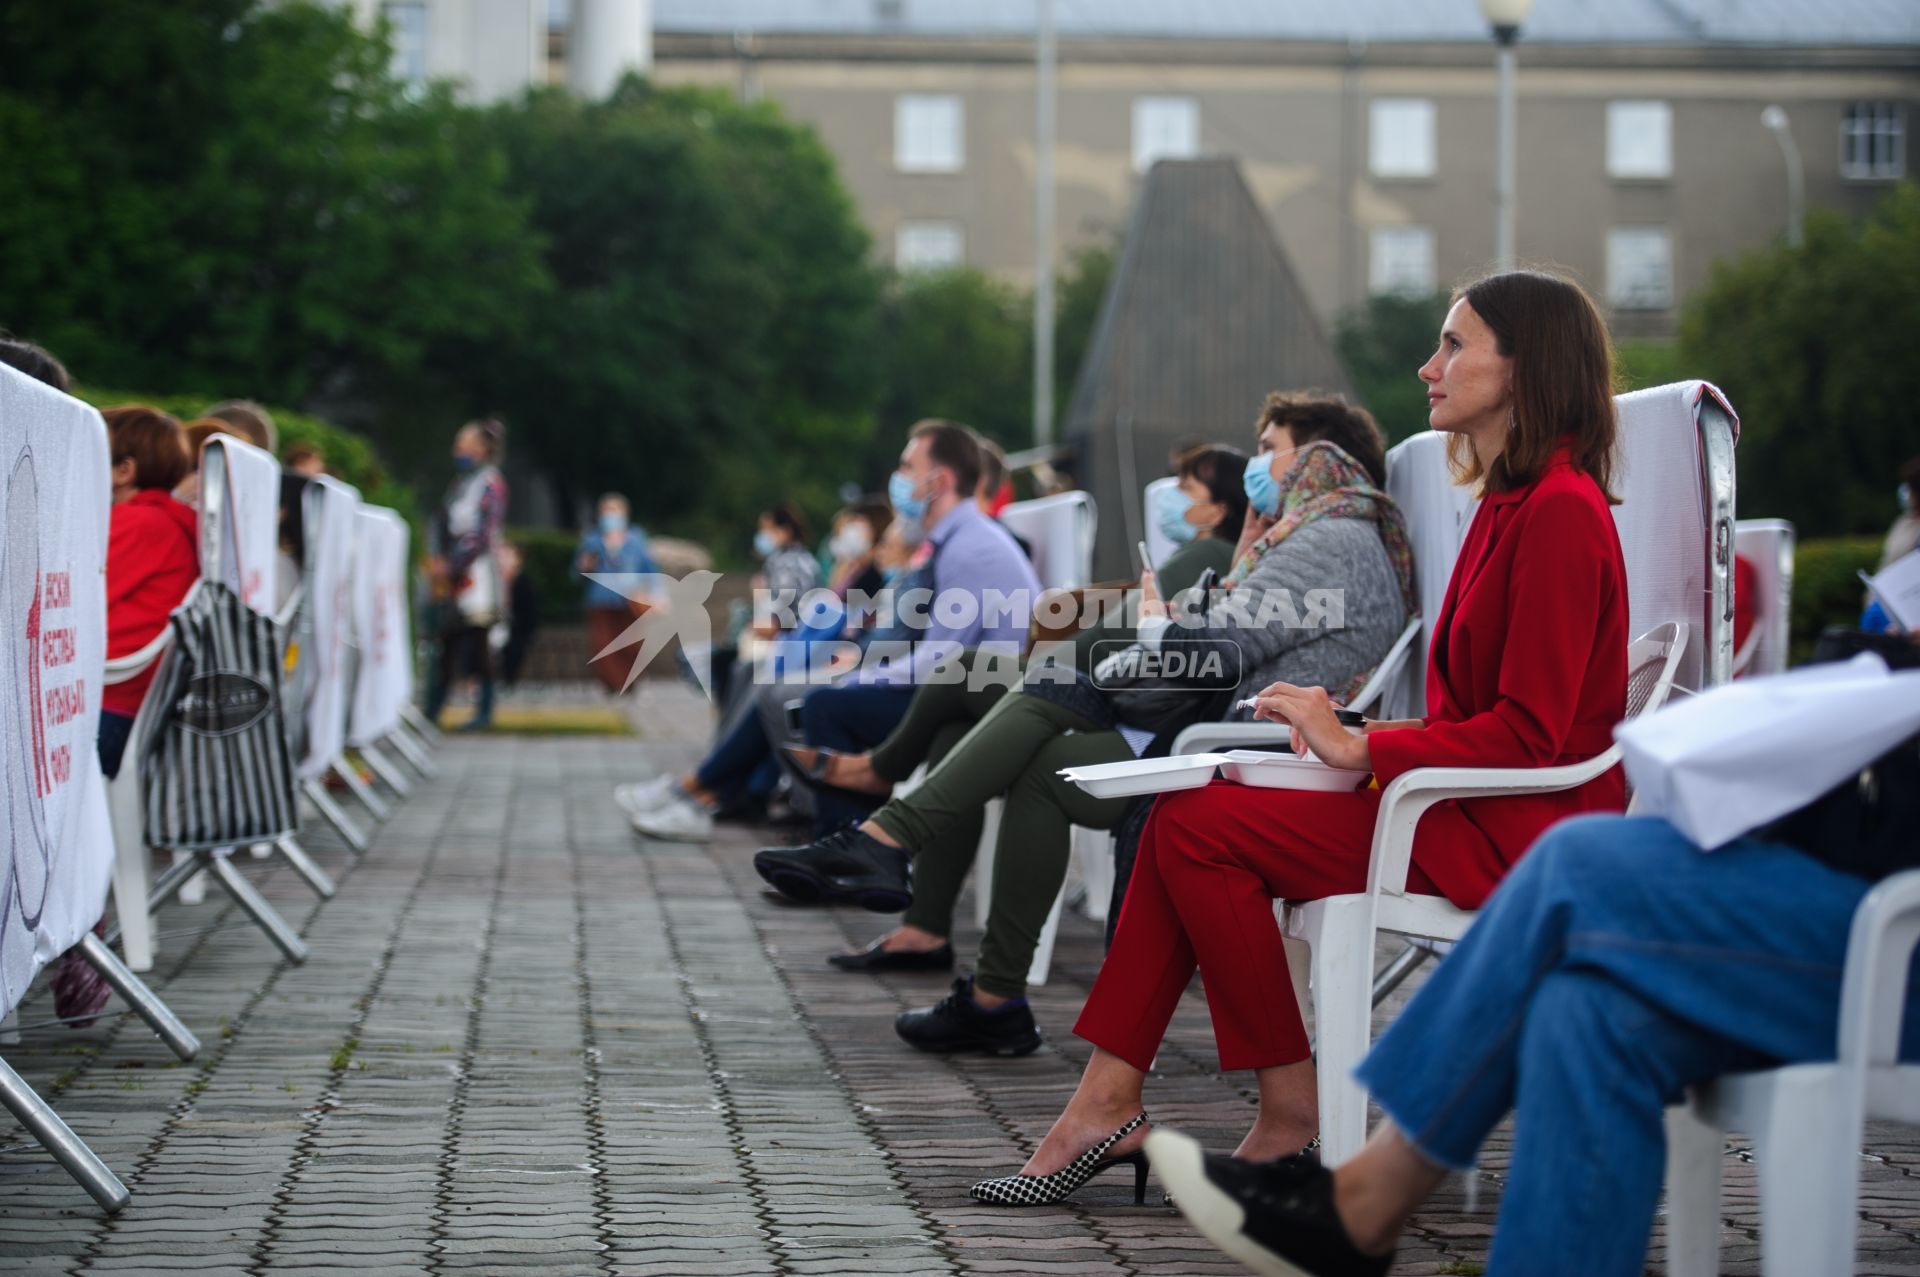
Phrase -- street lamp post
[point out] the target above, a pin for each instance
(1045, 56)
(1776, 122)
(1505, 16)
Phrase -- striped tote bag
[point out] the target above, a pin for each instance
(215, 768)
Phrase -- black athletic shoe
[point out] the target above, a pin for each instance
(958, 1023)
(1277, 1218)
(876, 957)
(846, 865)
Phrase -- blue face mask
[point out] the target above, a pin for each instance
(613, 522)
(1263, 494)
(905, 504)
(763, 544)
(463, 463)
(1170, 506)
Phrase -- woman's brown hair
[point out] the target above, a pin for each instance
(153, 441)
(1562, 381)
(1312, 415)
(1220, 469)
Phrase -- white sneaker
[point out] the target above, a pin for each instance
(646, 795)
(682, 820)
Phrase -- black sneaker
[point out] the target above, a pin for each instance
(846, 865)
(1277, 1218)
(958, 1023)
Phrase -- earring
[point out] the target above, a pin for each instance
(1512, 421)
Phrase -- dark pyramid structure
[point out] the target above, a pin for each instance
(1203, 317)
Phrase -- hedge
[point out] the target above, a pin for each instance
(1826, 590)
(546, 556)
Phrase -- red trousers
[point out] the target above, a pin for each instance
(1211, 863)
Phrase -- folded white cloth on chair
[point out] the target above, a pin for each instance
(1728, 761)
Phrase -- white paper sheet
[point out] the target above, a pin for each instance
(1724, 763)
(1898, 589)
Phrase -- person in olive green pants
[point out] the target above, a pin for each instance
(1016, 749)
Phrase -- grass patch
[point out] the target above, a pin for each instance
(550, 720)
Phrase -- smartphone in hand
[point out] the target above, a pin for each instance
(1140, 551)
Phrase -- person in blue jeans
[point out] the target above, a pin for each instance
(1616, 965)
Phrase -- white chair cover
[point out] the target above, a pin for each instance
(1060, 529)
(240, 520)
(1437, 511)
(1159, 544)
(1768, 545)
(331, 523)
(1671, 490)
(383, 678)
(56, 848)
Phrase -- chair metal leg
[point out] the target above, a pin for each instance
(302, 863)
(334, 814)
(361, 789)
(412, 716)
(159, 1017)
(384, 768)
(412, 751)
(1395, 973)
(58, 1139)
(283, 936)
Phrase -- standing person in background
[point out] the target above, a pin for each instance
(464, 542)
(614, 547)
(1904, 535)
(523, 613)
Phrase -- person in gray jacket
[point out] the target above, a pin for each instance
(1322, 586)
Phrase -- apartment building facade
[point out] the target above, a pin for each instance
(1366, 130)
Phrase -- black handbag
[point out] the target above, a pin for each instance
(1869, 824)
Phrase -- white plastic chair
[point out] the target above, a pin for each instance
(1159, 544)
(1340, 930)
(1768, 545)
(1060, 529)
(130, 857)
(1806, 1120)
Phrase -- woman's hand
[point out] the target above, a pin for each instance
(1151, 603)
(589, 562)
(1252, 528)
(1309, 711)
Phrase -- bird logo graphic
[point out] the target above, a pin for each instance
(675, 608)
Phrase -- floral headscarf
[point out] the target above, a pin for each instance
(1324, 482)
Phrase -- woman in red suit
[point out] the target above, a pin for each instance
(1528, 668)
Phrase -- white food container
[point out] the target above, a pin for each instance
(1266, 770)
(1144, 775)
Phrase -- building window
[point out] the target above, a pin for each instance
(929, 134)
(929, 246)
(1873, 140)
(409, 22)
(1164, 129)
(1639, 139)
(1402, 261)
(1400, 137)
(1640, 268)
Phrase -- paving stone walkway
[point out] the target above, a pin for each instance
(527, 1042)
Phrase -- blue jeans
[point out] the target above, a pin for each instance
(731, 766)
(1616, 965)
(851, 720)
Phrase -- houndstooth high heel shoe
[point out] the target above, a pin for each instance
(1045, 1190)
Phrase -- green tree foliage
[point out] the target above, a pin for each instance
(1383, 342)
(711, 310)
(1814, 345)
(236, 197)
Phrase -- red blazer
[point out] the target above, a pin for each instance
(1528, 669)
(152, 561)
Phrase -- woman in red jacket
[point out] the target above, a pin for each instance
(152, 554)
(1528, 668)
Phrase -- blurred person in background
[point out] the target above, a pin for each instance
(1904, 535)
(613, 547)
(305, 460)
(463, 542)
(523, 613)
(857, 531)
(197, 432)
(248, 420)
